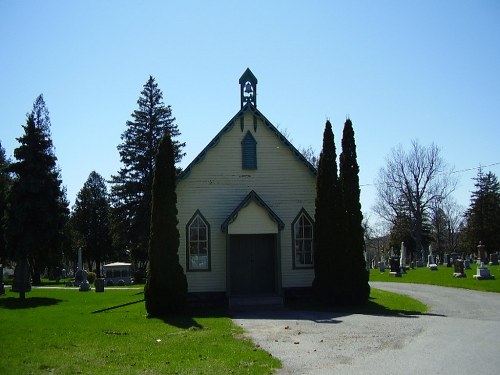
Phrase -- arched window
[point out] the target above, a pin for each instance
(198, 243)
(303, 237)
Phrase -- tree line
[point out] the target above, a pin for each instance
(414, 198)
(39, 229)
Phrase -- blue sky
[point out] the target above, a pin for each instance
(401, 70)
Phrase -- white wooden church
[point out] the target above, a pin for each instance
(246, 208)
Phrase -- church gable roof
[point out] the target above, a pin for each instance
(248, 108)
(252, 197)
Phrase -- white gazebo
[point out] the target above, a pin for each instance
(117, 273)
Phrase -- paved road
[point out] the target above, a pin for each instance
(460, 335)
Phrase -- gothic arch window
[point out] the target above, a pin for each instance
(303, 241)
(249, 152)
(198, 243)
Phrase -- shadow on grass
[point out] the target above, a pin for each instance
(187, 318)
(117, 306)
(13, 303)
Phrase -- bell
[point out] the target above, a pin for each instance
(248, 88)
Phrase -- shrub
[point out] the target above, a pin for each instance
(91, 276)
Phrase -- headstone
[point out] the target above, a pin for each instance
(446, 260)
(402, 261)
(431, 264)
(467, 264)
(84, 285)
(79, 266)
(420, 263)
(483, 273)
(459, 268)
(79, 277)
(99, 285)
(481, 253)
(22, 278)
(494, 259)
(395, 267)
(2, 288)
(381, 266)
(453, 258)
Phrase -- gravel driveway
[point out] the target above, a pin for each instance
(459, 335)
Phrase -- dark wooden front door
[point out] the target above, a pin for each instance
(252, 263)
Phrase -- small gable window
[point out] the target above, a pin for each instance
(198, 243)
(249, 152)
(302, 232)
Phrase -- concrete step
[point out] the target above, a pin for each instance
(243, 301)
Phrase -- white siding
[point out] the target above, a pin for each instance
(217, 184)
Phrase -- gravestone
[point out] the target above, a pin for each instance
(446, 260)
(453, 258)
(459, 268)
(402, 261)
(483, 273)
(481, 253)
(395, 267)
(431, 263)
(99, 285)
(84, 285)
(2, 288)
(381, 266)
(494, 259)
(467, 264)
(79, 277)
(22, 278)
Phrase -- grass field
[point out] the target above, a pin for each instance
(444, 277)
(64, 331)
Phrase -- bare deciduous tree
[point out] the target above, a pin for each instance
(412, 181)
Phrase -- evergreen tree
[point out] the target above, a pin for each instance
(91, 221)
(329, 225)
(483, 215)
(166, 285)
(36, 205)
(5, 182)
(356, 288)
(131, 190)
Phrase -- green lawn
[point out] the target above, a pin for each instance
(70, 332)
(64, 331)
(444, 277)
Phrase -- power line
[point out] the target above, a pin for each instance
(453, 172)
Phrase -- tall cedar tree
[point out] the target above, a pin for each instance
(357, 289)
(131, 190)
(483, 215)
(5, 182)
(329, 226)
(36, 206)
(166, 286)
(91, 221)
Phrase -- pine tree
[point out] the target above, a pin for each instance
(91, 221)
(357, 289)
(329, 225)
(131, 190)
(166, 285)
(36, 205)
(483, 215)
(5, 182)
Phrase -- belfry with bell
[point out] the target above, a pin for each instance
(248, 88)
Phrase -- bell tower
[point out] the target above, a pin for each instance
(248, 88)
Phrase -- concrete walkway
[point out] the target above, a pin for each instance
(459, 335)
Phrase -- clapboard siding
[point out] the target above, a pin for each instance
(217, 184)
